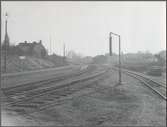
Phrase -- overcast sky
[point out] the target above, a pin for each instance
(84, 26)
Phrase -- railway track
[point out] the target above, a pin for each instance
(35, 100)
(37, 84)
(158, 87)
(163, 84)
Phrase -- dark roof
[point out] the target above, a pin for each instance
(30, 44)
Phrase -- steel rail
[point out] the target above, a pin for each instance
(147, 84)
(145, 80)
(36, 71)
(32, 85)
(146, 77)
(62, 98)
(53, 89)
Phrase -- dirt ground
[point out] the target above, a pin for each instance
(104, 103)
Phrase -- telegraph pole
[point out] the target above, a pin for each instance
(110, 44)
(64, 51)
(6, 43)
(120, 60)
(50, 45)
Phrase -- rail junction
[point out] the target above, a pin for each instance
(81, 82)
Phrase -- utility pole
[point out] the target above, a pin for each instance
(50, 45)
(54, 46)
(110, 44)
(120, 60)
(64, 51)
(6, 43)
(110, 47)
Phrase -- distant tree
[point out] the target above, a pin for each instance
(74, 55)
(43, 53)
(12, 50)
(147, 55)
(161, 60)
(100, 59)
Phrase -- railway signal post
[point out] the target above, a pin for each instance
(110, 48)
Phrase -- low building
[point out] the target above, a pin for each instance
(32, 49)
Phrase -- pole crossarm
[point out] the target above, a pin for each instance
(114, 34)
